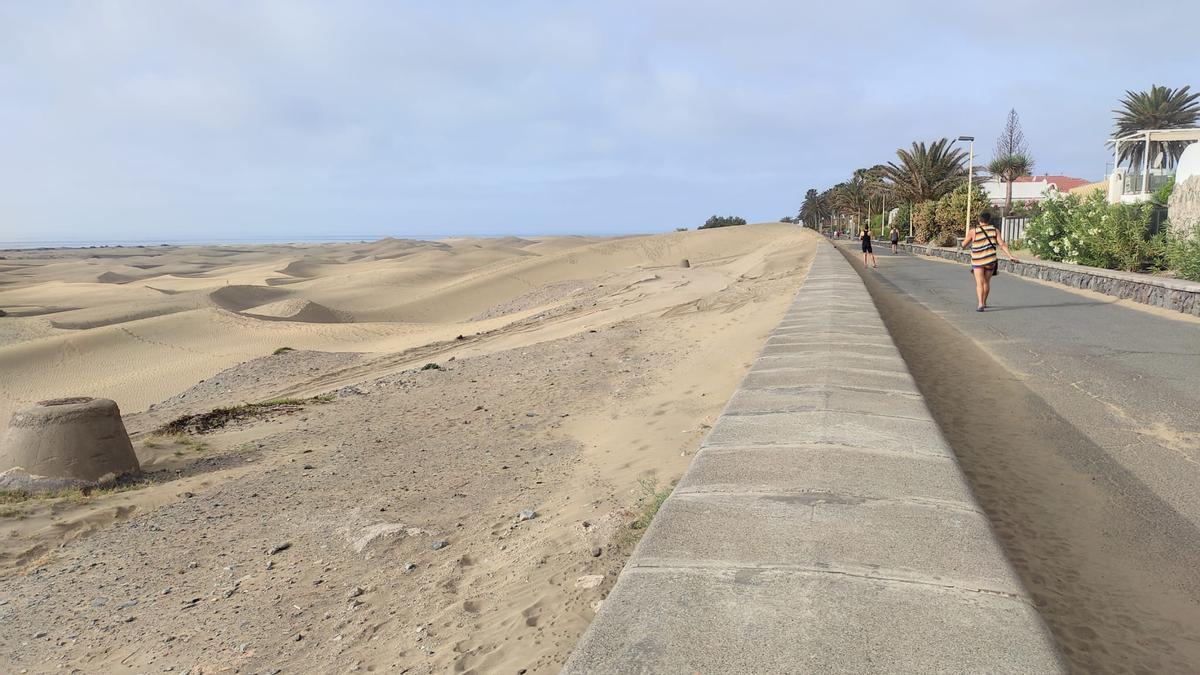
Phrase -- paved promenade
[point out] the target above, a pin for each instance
(1075, 417)
(824, 526)
(1126, 378)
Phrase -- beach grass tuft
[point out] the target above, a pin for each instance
(220, 417)
(13, 501)
(651, 501)
(648, 503)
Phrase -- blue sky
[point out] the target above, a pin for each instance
(225, 120)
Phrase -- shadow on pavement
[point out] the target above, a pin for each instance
(1010, 308)
(1110, 566)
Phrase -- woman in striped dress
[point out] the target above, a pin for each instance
(986, 243)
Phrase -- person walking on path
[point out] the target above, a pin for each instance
(895, 240)
(865, 235)
(986, 243)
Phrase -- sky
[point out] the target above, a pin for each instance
(208, 120)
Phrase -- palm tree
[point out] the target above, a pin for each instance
(825, 199)
(851, 196)
(1009, 168)
(813, 209)
(926, 172)
(1159, 108)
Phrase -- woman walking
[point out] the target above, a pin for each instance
(895, 240)
(865, 235)
(985, 242)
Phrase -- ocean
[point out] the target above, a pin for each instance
(227, 241)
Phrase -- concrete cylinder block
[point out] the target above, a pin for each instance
(79, 439)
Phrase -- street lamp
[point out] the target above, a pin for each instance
(970, 176)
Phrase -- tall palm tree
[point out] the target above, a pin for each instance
(851, 196)
(1008, 168)
(813, 209)
(926, 172)
(826, 201)
(1159, 108)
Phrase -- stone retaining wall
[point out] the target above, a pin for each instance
(824, 526)
(1174, 294)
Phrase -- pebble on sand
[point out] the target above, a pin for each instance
(589, 581)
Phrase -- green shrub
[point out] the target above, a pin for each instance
(923, 219)
(1124, 240)
(1046, 231)
(1183, 255)
(722, 221)
(902, 218)
(950, 215)
(1090, 231)
(1163, 194)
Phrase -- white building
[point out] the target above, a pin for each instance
(1133, 184)
(1030, 188)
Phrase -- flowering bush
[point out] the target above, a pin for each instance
(1090, 231)
(1047, 234)
(1026, 209)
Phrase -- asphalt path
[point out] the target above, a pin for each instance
(1127, 377)
(1076, 417)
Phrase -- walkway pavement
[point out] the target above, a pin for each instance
(1125, 376)
(824, 526)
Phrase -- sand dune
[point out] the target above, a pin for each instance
(298, 309)
(308, 267)
(238, 298)
(199, 310)
(574, 371)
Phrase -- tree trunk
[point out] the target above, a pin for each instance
(1008, 197)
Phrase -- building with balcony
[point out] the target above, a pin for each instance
(1134, 184)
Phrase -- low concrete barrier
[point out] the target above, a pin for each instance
(824, 526)
(1175, 294)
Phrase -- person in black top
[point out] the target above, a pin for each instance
(865, 236)
(895, 240)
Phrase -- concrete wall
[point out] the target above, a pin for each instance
(824, 526)
(1174, 294)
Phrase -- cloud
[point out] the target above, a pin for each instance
(174, 120)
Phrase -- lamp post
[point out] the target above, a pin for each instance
(883, 219)
(970, 177)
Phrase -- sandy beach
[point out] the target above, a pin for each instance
(573, 377)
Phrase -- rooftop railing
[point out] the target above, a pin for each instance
(1133, 182)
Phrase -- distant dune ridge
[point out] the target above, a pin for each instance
(141, 324)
